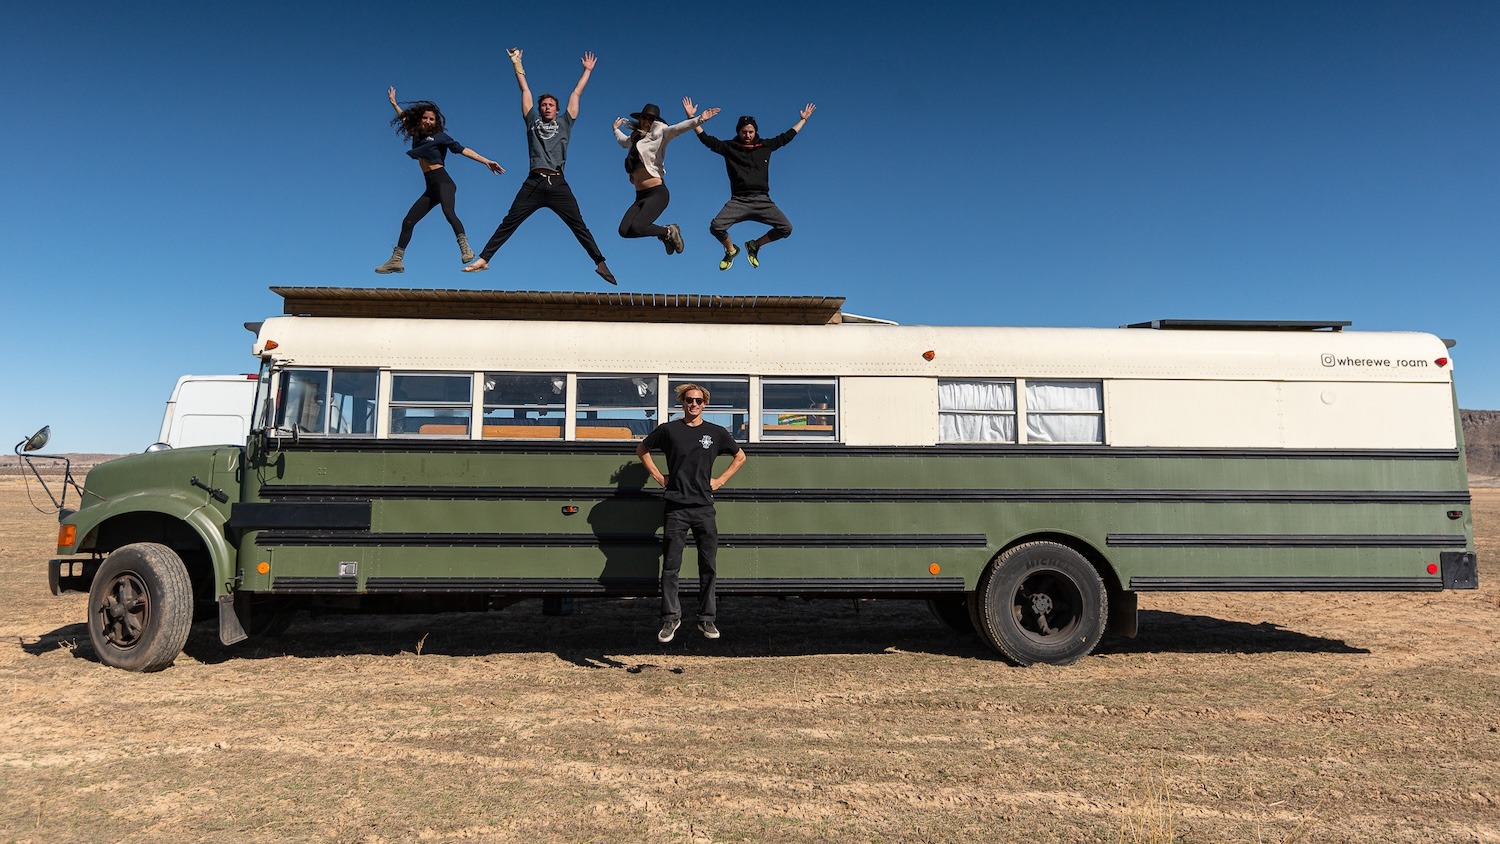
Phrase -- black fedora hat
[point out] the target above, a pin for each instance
(648, 110)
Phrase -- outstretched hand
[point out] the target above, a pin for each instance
(514, 53)
(588, 61)
(392, 94)
(495, 167)
(708, 113)
(807, 110)
(687, 106)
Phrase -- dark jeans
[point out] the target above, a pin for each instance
(537, 192)
(640, 217)
(700, 520)
(750, 207)
(440, 191)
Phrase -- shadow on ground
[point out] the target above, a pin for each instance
(599, 630)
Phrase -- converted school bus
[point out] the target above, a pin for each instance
(464, 449)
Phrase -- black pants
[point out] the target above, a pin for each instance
(640, 217)
(678, 522)
(537, 192)
(440, 191)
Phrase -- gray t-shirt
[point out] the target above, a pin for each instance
(547, 143)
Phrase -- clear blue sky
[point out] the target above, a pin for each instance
(1040, 163)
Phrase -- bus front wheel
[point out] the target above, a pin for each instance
(140, 607)
(1042, 602)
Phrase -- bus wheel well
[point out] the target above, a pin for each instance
(1122, 603)
(176, 534)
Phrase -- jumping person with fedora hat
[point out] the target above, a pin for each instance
(747, 159)
(547, 134)
(644, 162)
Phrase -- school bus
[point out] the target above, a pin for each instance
(465, 449)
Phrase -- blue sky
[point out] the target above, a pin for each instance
(1047, 163)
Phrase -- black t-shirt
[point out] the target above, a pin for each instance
(690, 453)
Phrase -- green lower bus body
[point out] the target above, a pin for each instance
(351, 522)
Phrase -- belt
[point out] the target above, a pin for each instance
(542, 171)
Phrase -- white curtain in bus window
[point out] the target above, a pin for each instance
(304, 400)
(799, 409)
(353, 402)
(728, 402)
(524, 405)
(1065, 411)
(431, 404)
(976, 411)
(615, 407)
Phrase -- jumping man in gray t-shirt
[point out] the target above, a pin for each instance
(547, 133)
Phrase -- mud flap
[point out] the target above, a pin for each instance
(1460, 569)
(231, 630)
(1122, 614)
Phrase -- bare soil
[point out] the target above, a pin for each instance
(1246, 717)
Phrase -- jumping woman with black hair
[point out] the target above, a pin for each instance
(646, 147)
(422, 123)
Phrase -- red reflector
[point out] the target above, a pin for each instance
(1441, 361)
(929, 354)
(1455, 514)
(570, 510)
(1432, 568)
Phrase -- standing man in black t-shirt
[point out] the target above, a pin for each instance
(690, 445)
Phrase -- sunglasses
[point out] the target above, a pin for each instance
(693, 400)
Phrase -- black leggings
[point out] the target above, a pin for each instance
(640, 217)
(440, 190)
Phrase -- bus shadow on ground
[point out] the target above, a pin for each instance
(1170, 632)
(621, 634)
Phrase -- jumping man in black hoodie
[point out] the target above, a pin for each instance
(747, 160)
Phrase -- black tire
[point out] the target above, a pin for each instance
(1042, 602)
(140, 608)
(954, 612)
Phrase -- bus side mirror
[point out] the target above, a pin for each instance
(37, 441)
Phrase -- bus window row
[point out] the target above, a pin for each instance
(511, 405)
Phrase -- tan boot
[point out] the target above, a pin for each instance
(465, 254)
(393, 265)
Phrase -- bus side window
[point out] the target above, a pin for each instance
(799, 409)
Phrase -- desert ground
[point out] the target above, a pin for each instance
(1244, 717)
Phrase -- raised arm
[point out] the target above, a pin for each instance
(588, 67)
(392, 94)
(692, 122)
(515, 61)
(494, 167)
(807, 111)
(623, 138)
(691, 109)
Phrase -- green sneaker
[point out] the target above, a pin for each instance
(729, 258)
(752, 252)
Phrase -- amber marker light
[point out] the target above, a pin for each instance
(264, 568)
(929, 354)
(1432, 568)
(934, 568)
(271, 344)
(66, 534)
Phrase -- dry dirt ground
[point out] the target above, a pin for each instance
(1256, 717)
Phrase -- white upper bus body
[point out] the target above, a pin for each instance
(1157, 387)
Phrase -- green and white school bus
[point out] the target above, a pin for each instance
(465, 449)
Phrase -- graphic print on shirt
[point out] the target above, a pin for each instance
(706, 440)
(544, 131)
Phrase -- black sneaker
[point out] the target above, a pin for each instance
(668, 630)
(708, 630)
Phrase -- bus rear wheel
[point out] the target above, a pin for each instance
(1042, 602)
(140, 608)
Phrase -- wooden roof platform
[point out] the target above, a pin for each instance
(410, 303)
